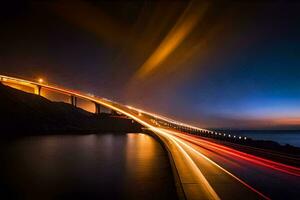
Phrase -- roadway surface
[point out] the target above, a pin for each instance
(206, 169)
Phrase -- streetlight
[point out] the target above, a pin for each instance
(40, 80)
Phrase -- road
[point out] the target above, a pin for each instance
(227, 171)
(206, 169)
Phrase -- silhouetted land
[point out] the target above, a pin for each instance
(27, 113)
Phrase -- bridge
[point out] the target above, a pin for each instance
(206, 164)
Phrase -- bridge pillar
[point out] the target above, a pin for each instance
(74, 101)
(37, 90)
(113, 112)
(97, 109)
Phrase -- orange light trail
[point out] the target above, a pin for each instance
(254, 159)
(210, 191)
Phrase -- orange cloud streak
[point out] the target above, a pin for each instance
(189, 19)
(287, 121)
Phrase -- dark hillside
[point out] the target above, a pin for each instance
(21, 112)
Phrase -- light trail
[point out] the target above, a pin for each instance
(254, 159)
(215, 164)
(180, 140)
(207, 187)
(157, 116)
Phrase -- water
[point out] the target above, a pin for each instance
(282, 137)
(100, 166)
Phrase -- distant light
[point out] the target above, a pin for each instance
(245, 138)
(40, 80)
(140, 114)
(106, 99)
(4, 79)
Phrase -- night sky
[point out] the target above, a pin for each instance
(216, 64)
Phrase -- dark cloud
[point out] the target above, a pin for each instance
(240, 60)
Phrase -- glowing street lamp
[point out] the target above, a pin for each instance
(40, 80)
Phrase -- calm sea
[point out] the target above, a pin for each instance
(99, 166)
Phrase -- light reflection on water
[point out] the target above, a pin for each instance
(110, 166)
